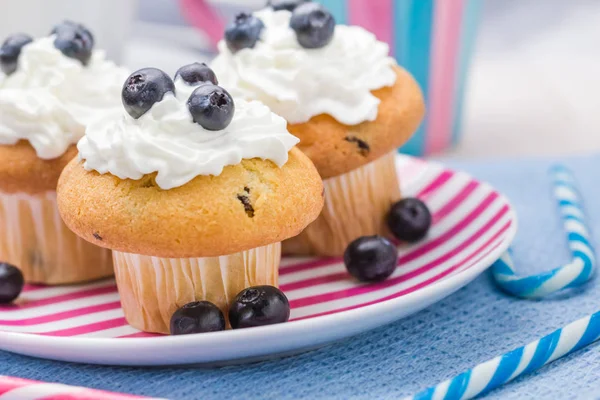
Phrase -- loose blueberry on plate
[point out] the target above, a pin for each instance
(11, 283)
(10, 51)
(244, 32)
(371, 258)
(143, 88)
(74, 40)
(258, 306)
(313, 24)
(197, 317)
(409, 220)
(212, 107)
(289, 5)
(196, 73)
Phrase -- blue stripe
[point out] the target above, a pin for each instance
(586, 271)
(468, 34)
(426, 394)
(458, 386)
(413, 21)
(544, 350)
(591, 332)
(338, 9)
(508, 365)
(502, 268)
(528, 285)
(576, 237)
(563, 203)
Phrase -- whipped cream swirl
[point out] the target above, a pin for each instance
(166, 140)
(299, 83)
(51, 98)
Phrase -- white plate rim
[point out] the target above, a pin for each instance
(109, 351)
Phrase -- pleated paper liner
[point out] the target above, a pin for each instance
(153, 288)
(34, 238)
(356, 204)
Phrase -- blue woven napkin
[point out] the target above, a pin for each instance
(475, 324)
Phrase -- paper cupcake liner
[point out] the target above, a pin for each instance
(356, 204)
(153, 288)
(34, 238)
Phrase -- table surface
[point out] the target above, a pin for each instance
(533, 91)
(473, 325)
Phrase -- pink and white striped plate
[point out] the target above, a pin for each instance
(473, 226)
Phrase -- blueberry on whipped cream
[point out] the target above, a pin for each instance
(314, 25)
(143, 88)
(74, 41)
(180, 130)
(10, 51)
(244, 32)
(288, 5)
(196, 73)
(211, 107)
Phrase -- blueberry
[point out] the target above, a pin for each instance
(409, 220)
(244, 32)
(371, 258)
(197, 317)
(10, 51)
(212, 107)
(11, 283)
(196, 73)
(143, 88)
(313, 24)
(74, 41)
(258, 306)
(289, 5)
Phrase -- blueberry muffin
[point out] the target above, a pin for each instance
(51, 88)
(347, 101)
(192, 191)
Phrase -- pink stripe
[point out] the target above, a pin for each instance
(32, 288)
(63, 315)
(90, 394)
(455, 202)
(203, 17)
(445, 50)
(437, 183)
(355, 291)
(450, 206)
(89, 328)
(60, 298)
(376, 16)
(424, 283)
(8, 383)
(452, 232)
(341, 276)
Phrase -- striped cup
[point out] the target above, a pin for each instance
(433, 39)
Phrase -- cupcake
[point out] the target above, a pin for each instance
(347, 101)
(191, 191)
(51, 88)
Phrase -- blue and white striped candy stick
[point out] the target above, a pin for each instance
(526, 359)
(577, 271)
